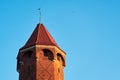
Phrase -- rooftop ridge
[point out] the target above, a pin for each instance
(50, 37)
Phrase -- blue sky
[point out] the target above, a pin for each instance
(87, 30)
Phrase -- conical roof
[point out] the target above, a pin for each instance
(40, 36)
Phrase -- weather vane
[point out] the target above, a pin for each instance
(40, 14)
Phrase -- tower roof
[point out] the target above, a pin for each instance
(40, 36)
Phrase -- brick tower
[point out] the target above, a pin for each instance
(41, 58)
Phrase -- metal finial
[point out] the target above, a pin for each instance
(40, 19)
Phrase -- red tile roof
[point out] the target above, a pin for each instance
(40, 36)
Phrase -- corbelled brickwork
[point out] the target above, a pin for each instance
(43, 60)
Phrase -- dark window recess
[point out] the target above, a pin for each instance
(28, 54)
(49, 54)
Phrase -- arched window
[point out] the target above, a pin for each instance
(60, 58)
(28, 54)
(48, 53)
(27, 58)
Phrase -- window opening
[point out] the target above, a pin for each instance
(48, 53)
